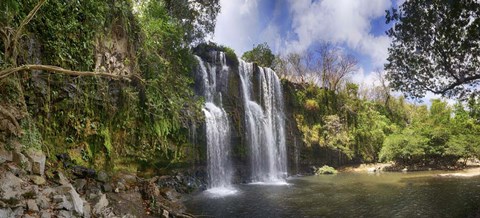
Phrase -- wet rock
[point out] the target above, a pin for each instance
(102, 176)
(100, 205)
(170, 194)
(32, 206)
(37, 159)
(38, 180)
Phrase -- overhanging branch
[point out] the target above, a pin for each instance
(5, 73)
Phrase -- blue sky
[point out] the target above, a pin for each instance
(357, 26)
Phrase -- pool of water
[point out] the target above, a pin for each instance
(347, 195)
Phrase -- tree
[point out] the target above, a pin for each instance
(197, 17)
(435, 47)
(260, 54)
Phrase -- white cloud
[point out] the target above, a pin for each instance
(339, 21)
(237, 24)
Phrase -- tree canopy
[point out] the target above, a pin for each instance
(435, 47)
(260, 54)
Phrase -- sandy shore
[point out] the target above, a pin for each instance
(365, 168)
(463, 173)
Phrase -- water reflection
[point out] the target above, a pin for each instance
(349, 195)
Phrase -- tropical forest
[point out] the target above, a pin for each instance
(239, 108)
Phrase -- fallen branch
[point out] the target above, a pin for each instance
(5, 73)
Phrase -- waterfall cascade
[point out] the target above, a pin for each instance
(217, 128)
(264, 124)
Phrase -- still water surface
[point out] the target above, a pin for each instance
(420, 194)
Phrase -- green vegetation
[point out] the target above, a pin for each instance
(432, 46)
(260, 54)
(144, 119)
(326, 170)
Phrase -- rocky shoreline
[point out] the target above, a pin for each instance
(29, 188)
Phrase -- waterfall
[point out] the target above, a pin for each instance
(264, 124)
(217, 127)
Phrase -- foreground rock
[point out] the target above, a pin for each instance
(26, 190)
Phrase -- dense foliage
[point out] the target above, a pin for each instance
(435, 47)
(260, 54)
(97, 121)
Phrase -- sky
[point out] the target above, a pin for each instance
(357, 26)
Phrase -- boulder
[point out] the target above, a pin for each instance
(32, 206)
(80, 184)
(37, 159)
(72, 196)
(43, 202)
(83, 172)
(45, 214)
(62, 203)
(22, 161)
(101, 205)
(62, 180)
(165, 214)
(102, 176)
(6, 212)
(87, 210)
(5, 156)
(64, 214)
(107, 187)
(38, 180)
(10, 186)
(18, 212)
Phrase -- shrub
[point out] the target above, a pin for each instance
(326, 170)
